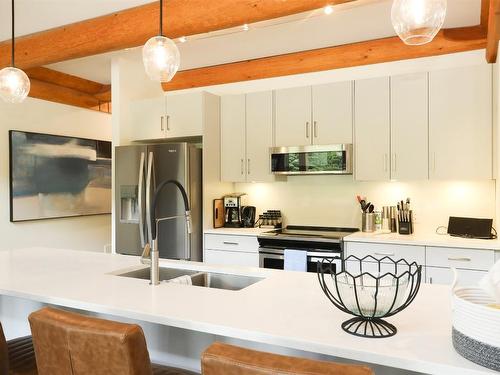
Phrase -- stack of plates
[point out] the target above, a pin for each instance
(476, 327)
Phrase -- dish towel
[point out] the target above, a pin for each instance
(184, 280)
(295, 260)
(491, 282)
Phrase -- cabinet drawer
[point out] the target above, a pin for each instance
(231, 258)
(247, 244)
(377, 250)
(444, 276)
(460, 258)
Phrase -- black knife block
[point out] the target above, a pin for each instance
(406, 227)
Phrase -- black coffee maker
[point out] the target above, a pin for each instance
(232, 210)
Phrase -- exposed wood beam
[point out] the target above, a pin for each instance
(132, 27)
(58, 87)
(485, 11)
(493, 31)
(343, 56)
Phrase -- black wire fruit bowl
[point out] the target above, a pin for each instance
(370, 289)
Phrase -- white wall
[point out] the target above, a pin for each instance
(331, 200)
(83, 233)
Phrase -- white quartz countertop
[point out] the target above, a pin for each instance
(423, 239)
(286, 308)
(238, 231)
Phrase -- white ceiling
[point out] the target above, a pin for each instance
(348, 23)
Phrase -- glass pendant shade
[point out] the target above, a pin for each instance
(161, 58)
(418, 21)
(14, 85)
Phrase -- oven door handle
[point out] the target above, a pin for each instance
(324, 254)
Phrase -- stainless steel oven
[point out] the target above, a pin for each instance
(318, 242)
(275, 259)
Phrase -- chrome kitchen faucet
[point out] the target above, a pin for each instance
(151, 253)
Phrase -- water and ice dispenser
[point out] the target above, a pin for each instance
(129, 208)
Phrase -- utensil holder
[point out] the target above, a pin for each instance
(406, 227)
(368, 222)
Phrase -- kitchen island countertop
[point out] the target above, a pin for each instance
(287, 309)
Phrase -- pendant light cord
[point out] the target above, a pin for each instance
(13, 40)
(161, 17)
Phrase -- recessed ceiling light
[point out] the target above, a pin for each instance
(328, 9)
(183, 39)
(245, 27)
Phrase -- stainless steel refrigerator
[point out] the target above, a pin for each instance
(138, 170)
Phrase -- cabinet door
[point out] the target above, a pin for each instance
(147, 118)
(185, 113)
(233, 138)
(444, 276)
(409, 127)
(259, 135)
(293, 117)
(461, 123)
(332, 113)
(371, 129)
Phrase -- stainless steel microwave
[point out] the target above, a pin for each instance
(331, 159)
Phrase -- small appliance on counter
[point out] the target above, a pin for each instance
(248, 216)
(219, 219)
(469, 227)
(405, 217)
(232, 210)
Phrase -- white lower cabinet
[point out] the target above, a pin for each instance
(231, 258)
(231, 250)
(379, 250)
(444, 276)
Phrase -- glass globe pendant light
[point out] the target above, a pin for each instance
(161, 56)
(418, 21)
(14, 83)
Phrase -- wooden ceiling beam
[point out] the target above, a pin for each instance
(337, 57)
(58, 87)
(132, 27)
(493, 31)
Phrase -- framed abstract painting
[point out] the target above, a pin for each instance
(55, 176)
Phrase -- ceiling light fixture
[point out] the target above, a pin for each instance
(418, 21)
(14, 83)
(161, 56)
(328, 9)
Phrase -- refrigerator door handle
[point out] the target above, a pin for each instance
(140, 194)
(149, 180)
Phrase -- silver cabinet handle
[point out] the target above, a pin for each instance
(385, 162)
(430, 280)
(242, 167)
(161, 123)
(394, 165)
(386, 254)
(434, 162)
(248, 166)
(168, 122)
(315, 129)
(307, 129)
(458, 259)
(140, 187)
(230, 243)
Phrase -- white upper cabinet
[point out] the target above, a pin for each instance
(246, 136)
(233, 160)
(460, 128)
(259, 135)
(185, 115)
(147, 118)
(409, 127)
(332, 113)
(372, 129)
(293, 117)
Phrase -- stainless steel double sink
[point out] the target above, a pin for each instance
(198, 278)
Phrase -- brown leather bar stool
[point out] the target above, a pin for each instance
(17, 356)
(226, 359)
(67, 343)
